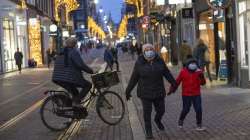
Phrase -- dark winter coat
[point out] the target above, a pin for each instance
(199, 54)
(108, 57)
(68, 67)
(149, 76)
(185, 50)
(18, 58)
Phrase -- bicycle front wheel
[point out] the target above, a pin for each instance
(110, 107)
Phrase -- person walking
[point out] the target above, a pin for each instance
(201, 54)
(139, 49)
(132, 49)
(114, 52)
(108, 58)
(19, 60)
(148, 73)
(49, 57)
(191, 78)
(185, 50)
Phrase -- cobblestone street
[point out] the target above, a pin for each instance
(226, 111)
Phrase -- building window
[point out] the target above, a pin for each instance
(243, 34)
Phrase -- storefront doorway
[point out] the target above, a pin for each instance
(220, 48)
(8, 45)
(213, 31)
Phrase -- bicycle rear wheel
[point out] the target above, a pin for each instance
(110, 107)
(50, 109)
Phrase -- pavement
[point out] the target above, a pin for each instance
(226, 111)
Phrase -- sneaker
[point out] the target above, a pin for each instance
(180, 124)
(159, 125)
(200, 128)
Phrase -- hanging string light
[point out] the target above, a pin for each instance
(122, 30)
(139, 6)
(95, 29)
(70, 5)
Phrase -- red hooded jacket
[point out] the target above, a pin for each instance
(191, 82)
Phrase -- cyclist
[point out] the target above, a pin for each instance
(68, 72)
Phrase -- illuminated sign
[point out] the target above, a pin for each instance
(53, 28)
(187, 13)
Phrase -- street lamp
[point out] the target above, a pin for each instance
(100, 10)
(96, 1)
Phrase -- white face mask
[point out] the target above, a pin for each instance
(192, 67)
(149, 54)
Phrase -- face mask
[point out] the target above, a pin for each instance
(149, 54)
(192, 67)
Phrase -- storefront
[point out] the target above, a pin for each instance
(13, 35)
(218, 30)
(206, 33)
(243, 27)
(35, 37)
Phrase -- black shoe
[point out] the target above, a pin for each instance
(149, 136)
(159, 125)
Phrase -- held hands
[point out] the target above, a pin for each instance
(172, 89)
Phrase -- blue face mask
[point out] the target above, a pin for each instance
(149, 54)
(192, 67)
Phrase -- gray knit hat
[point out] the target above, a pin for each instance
(70, 42)
(148, 45)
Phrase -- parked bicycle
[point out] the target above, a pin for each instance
(58, 114)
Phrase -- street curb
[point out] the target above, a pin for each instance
(137, 130)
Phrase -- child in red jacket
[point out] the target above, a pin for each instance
(191, 78)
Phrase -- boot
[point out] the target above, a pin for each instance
(159, 124)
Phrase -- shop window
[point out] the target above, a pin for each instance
(8, 44)
(243, 34)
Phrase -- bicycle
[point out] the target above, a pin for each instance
(109, 105)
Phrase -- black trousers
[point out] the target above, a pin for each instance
(159, 105)
(19, 67)
(188, 101)
(109, 65)
(72, 88)
(117, 64)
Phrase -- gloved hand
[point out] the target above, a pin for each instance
(172, 89)
(128, 96)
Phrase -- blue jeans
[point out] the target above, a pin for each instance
(196, 102)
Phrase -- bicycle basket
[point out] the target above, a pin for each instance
(105, 79)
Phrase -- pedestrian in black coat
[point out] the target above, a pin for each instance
(114, 52)
(19, 59)
(148, 73)
(108, 58)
